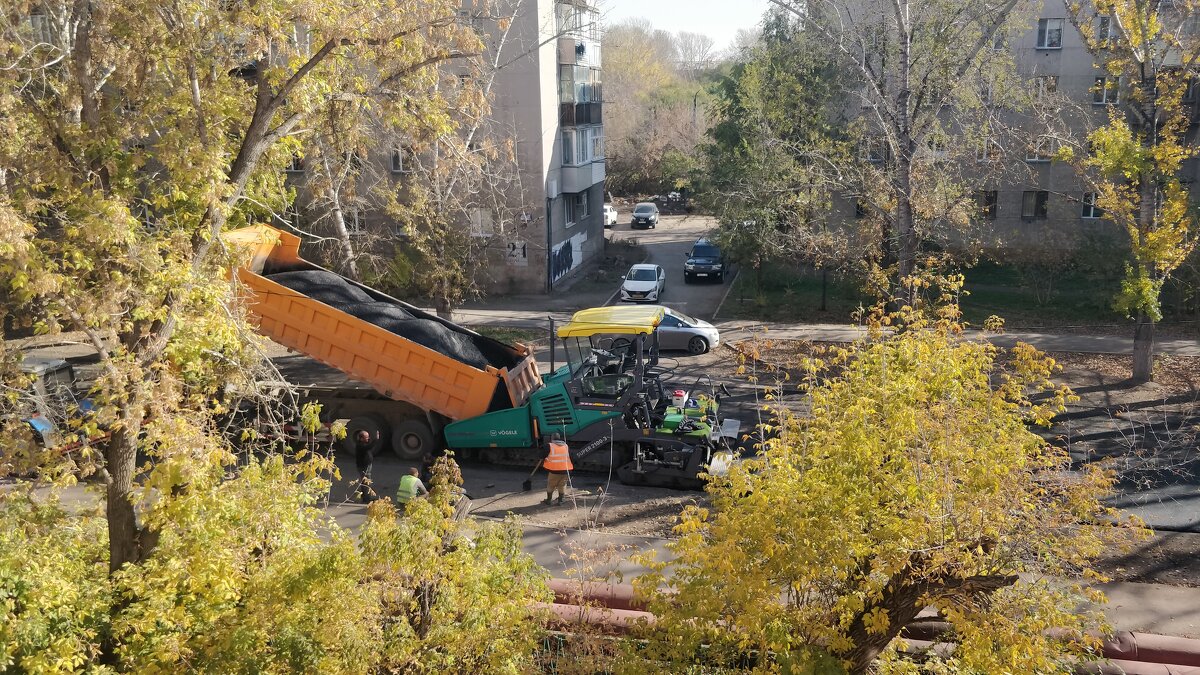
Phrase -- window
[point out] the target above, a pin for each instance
(1106, 91)
(937, 146)
(296, 165)
(583, 146)
(1050, 33)
(1090, 210)
(989, 150)
(1106, 29)
(568, 147)
(398, 164)
(1033, 204)
(578, 84)
(569, 210)
(597, 144)
(873, 149)
(987, 91)
(293, 216)
(39, 25)
(354, 221)
(1046, 86)
(581, 205)
(302, 39)
(482, 222)
(570, 18)
(987, 203)
(576, 20)
(1042, 150)
(585, 85)
(1189, 94)
(566, 84)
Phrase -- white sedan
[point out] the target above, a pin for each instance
(643, 283)
(610, 215)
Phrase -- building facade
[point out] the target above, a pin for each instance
(536, 211)
(548, 91)
(1022, 197)
(1041, 202)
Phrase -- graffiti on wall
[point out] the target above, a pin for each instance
(566, 256)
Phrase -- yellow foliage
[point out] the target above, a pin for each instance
(914, 470)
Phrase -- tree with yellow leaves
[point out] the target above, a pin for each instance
(250, 576)
(1150, 55)
(135, 132)
(914, 483)
(132, 134)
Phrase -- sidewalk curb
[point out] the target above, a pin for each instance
(732, 281)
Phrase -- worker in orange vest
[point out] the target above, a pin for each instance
(557, 463)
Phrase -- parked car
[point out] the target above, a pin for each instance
(704, 261)
(678, 331)
(643, 283)
(645, 214)
(610, 215)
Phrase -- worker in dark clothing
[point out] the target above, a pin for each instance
(427, 468)
(557, 462)
(364, 459)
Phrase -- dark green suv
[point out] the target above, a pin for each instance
(704, 261)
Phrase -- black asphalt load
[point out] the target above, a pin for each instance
(462, 346)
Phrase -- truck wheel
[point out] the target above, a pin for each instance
(373, 424)
(412, 440)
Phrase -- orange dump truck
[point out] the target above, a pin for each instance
(398, 372)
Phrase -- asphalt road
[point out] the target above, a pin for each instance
(667, 246)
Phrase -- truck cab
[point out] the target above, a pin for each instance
(53, 392)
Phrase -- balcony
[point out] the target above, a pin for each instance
(576, 114)
(580, 178)
(578, 51)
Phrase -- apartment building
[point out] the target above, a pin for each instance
(539, 221)
(1024, 198)
(1040, 202)
(549, 92)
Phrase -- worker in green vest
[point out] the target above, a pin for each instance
(410, 487)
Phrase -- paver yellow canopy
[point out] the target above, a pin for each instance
(624, 319)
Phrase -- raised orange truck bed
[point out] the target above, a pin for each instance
(391, 364)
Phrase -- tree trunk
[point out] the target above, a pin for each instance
(905, 230)
(338, 216)
(902, 603)
(123, 533)
(824, 289)
(443, 307)
(902, 599)
(906, 237)
(1143, 349)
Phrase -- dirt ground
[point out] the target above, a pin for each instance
(620, 510)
